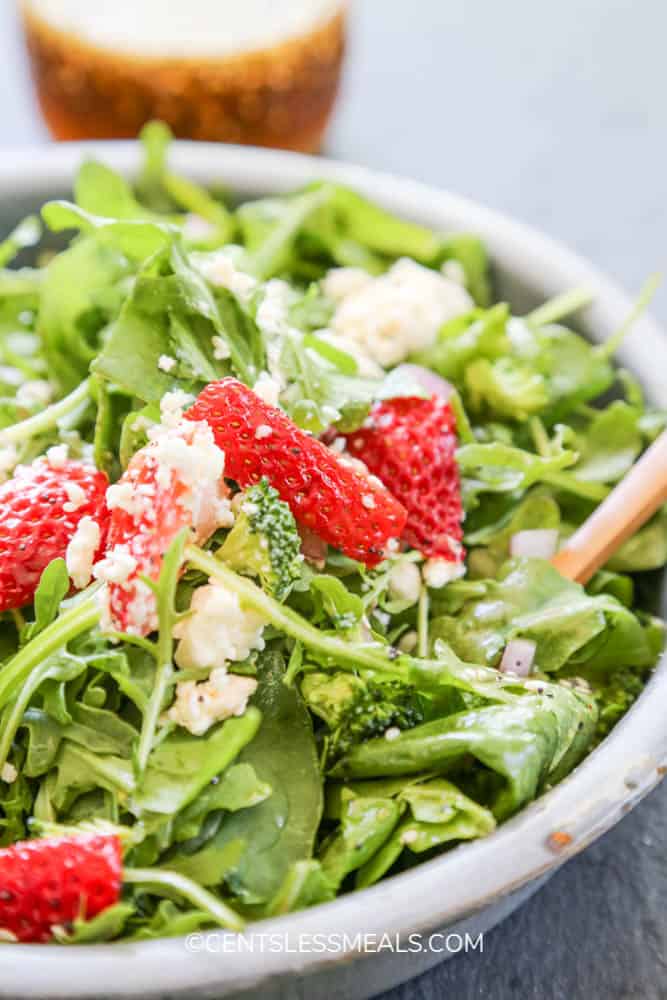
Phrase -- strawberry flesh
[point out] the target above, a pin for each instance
(49, 882)
(174, 482)
(346, 508)
(410, 444)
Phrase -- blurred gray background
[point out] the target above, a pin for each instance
(555, 113)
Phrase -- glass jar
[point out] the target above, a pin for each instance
(262, 72)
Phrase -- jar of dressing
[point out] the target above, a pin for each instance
(262, 72)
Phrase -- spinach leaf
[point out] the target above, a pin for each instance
(281, 830)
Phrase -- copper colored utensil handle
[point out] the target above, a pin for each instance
(636, 498)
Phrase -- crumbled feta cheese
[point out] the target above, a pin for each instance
(116, 567)
(124, 496)
(273, 320)
(392, 733)
(81, 550)
(219, 269)
(198, 706)
(197, 229)
(454, 270)
(399, 312)
(340, 282)
(273, 312)
(172, 405)
(405, 582)
(267, 388)
(166, 363)
(9, 773)
(8, 459)
(187, 452)
(217, 630)
(438, 572)
(76, 497)
(57, 456)
(38, 392)
(220, 349)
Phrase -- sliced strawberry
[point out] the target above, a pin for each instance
(40, 510)
(347, 509)
(44, 883)
(410, 444)
(174, 482)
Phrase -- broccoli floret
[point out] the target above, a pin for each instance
(614, 697)
(356, 710)
(264, 541)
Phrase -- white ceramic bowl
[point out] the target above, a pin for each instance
(473, 886)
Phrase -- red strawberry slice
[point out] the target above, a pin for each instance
(40, 509)
(48, 882)
(174, 482)
(410, 444)
(347, 509)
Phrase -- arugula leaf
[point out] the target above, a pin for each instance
(531, 600)
(524, 742)
(609, 445)
(53, 587)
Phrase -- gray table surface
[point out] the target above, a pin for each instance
(554, 113)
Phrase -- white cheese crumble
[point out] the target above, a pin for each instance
(198, 706)
(81, 550)
(405, 582)
(57, 456)
(217, 630)
(166, 363)
(38, 392)
(267, 388)
(116, 567)
(399, 312)
(172, 405)
(273, 320)
(340, 282)
(454, 270)
(76, 497)
(189, 453)
(197, 229)
(219, 269)
(220, 349)
(438, 572)
(124, 496)
(9, 773)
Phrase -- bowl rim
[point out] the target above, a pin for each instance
(605, 786)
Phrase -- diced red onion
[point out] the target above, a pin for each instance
(518, 657)
(540, 543)
(312, 547)
(427, 379)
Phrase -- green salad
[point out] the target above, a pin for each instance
(264, 715)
